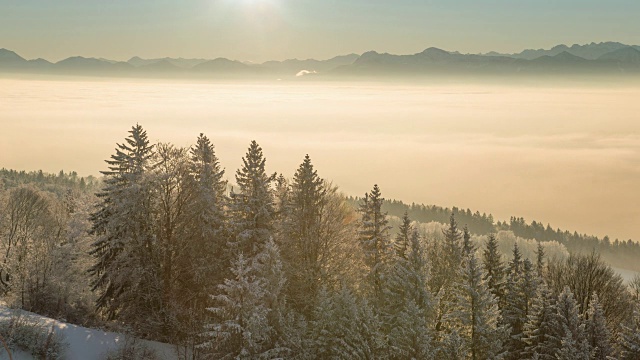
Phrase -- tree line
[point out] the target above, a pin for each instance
(277, 267)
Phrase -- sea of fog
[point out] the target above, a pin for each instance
(566, 154)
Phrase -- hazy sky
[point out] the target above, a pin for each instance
(259, 30)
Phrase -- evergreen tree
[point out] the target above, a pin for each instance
(452, 346)
(251, 206)
(302, 241)
(540, 259)
(403, 238)
(630, 339)
(520, 292)
(208, 230)
(449, 270)
(410, 304)
(540, 331)
(597, 332)
(375, 243)
(571, 328)
(125, 267)
(248, 319)
(345, 328)
(467, 246)
(476, 315)
(494, 269)
(452, 247)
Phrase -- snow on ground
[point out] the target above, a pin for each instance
(83, 343)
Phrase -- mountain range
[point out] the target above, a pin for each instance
(606, 58)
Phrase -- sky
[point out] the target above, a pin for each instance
(260, 30)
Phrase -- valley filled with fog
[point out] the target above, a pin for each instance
(564, 154)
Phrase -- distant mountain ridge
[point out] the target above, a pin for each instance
(595, 58)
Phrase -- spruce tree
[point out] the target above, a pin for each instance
(124, 269)
(520, 292)
(208, 230)
(403, 238)
(571, 328)
(540, 335)
(248, 316)
(597, 332)
(540, 259)
(410, 304)
(467, 246)
(251, 205)
(345, 328)
(476, 314)
(494, 269)
(375, 243)
(302, 243)
(630, 339)
(452, 247)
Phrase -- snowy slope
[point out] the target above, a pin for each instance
(84, 343)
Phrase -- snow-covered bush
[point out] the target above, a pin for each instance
(132, 349)
(33, 337)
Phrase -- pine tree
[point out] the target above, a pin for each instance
(494, 269)
(240, 327)
(449, 271)
(345, 328)
(251, 206)
(476, 315)
(124, 271)
(409, 303)
(571, 328)
(540, 335)
(302, 243)
(520, 291)
(403, 238)
(452, 246)
(630, 339)
(249, 316)
(375, 243)
(597, 332)
(208, 231)
(467, 246)
(452, 346)
(540, 259)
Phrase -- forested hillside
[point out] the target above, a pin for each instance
(285, 266)
(619, 253)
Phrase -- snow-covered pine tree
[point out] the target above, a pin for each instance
(248, 316)
(571, 329)
(494, 269)
(630, 339)
(345, 328)
(453, 249)
(376, 245)
(251, 205)
(124, 271)
(410, 303)
(597, 332)
(203, 236)
(540, 259)
(519, 293)
(240, 328)
(403, 238)
(208, 233)
(302, 245)
(475, 313)
(467, 246)
(448, 272)
(540, 335)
